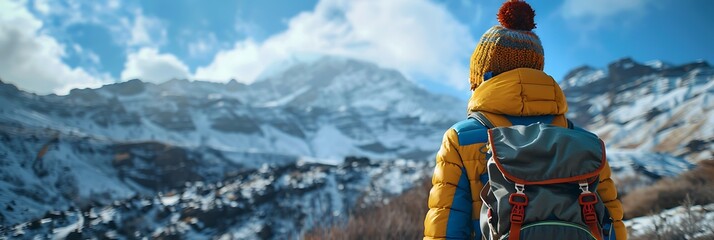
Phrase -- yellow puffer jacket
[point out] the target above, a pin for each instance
(454, 202)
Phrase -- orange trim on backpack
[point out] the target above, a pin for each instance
(550, 181)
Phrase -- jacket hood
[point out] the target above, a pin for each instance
(519, 92)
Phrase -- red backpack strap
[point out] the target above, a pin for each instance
(587, 202)
(518, 201)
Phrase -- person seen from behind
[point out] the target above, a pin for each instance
(509, 88)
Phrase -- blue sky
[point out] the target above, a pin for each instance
(54, 46)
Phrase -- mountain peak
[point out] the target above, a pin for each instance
(624, 63)
(581, 76)
(684, 68)
(277, 68)
(297, 62)
(234, 85)
(128, 88)
(320, 72)
(578, 71)
(8, 87)
(175, 81)
(627, 68)
(658, 64)
(701, 63)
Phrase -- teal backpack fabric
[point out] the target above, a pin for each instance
(541, 184)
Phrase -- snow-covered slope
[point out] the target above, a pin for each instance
(684, 222)
(647, 108)
(44, 170)
(268, 203)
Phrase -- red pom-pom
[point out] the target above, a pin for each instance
(517, 15)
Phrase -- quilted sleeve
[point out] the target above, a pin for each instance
(607, 191)
(450, 201)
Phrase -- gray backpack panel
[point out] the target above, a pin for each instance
(541, 152)
(536, 153)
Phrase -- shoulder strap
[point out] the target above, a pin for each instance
(570, 124)
(481, 119)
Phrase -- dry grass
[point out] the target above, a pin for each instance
(401, 218)
(692, 225)
(667, 193)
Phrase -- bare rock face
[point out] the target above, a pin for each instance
(157, 166)
(172, 120)
(113, 113)
(626, 69)
(85, 95)
(236, 124)
(128, 88)
(656, 107)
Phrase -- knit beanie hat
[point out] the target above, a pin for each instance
(508, 46)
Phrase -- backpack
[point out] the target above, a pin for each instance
(541, 183)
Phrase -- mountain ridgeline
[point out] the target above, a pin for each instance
(355, 107)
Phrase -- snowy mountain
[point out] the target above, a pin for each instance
(93, 147)
(647, 108)
(656, 118)
(82, 187)
(355, 107)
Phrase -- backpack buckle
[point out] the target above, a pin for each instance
(587, 201)
(518, 213)
(584, 187)
(518, 201)
(589, 214)
(520, 188)
(587, 198)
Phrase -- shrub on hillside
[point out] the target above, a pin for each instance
(668, 193)
(692, 223)
(401, 217)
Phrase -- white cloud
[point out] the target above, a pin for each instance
(590, 15)
(77, 48)
(203, 46)
(42, 6)
(32, 60)
(126, 22)
(598, 9)
(477, 15)
(144, 31)
(113, 4)
(149, 65)
(93, 57)
(87, 55)
(419, 38)
(586, 19)
(246, 27)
